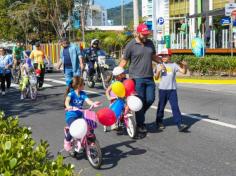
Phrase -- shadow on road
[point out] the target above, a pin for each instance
(113, 154)
(12, 105)
(169, 121)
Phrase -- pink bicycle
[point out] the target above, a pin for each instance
(89, 143)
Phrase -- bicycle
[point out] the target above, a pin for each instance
(89, 143)
(16, 72)
(126, 122)
(32, 87)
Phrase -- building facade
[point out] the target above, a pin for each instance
(96, 16)
(191, 11)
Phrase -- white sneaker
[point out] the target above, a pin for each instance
(114, 127)
(3, 93)
(22, 97)
(105, 128)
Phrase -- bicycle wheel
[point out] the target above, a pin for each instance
(106, 76)
(33, 93)
(131, 125)
(16, 75)
(94, 154)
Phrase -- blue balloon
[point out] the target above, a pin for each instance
(198, 47)
(117, 107)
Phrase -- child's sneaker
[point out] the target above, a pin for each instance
(114, 127)
(67, 145)
(22, 96)
(3, 93)
(105, 129)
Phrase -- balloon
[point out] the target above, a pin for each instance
(198, 47)
(134, 103)
(38, 71)
(129, 87)
(118, 89)
(78, 128)
(117, 107)
(106, 116)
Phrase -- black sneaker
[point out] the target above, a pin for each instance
(182, 127)
(142, 129)
(160, 125)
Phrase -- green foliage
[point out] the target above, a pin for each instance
(110, 41)
(211, 64)
(20, 156)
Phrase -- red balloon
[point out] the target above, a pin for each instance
(129, 87)
(38, 71)
(106, 117)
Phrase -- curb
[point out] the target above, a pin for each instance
(201, 81)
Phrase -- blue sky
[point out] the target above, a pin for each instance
(110, 3)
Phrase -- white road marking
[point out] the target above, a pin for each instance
(203, 119)
(44, 85)
(166, 110)
(55, 81)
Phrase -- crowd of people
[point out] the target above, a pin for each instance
(139, 53)
(16, 66)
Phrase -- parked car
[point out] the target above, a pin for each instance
(48, 66)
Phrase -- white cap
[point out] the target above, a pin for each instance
(117, 71)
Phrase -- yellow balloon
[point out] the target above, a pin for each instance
(118, 89)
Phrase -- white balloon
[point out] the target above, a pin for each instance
(134, 103)
(78, 128)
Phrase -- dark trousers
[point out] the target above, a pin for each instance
(5, 78)
(145, 88)
(164, 97)
(41, 77)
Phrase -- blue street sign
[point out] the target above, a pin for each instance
(160, 21)
(149, 24)
(225, 21)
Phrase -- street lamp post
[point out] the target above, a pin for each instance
(136, 15)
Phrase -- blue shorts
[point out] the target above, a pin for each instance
(71, 116)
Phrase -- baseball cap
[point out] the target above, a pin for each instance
(117, 71)
(165, 51)
(143, 29)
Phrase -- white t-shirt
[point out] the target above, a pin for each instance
(168, 77)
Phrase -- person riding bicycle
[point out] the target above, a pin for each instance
(91, 54)
(26, 69)
(119, 75)
(18, 56)
(75, 98)
(38, 56)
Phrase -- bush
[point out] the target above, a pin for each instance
(20, 156)
(211, 64)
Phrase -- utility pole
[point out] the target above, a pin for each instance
(136, 15)
(154, 20)
(122, 12)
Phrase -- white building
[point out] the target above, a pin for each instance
(147, 10)
(96, 16)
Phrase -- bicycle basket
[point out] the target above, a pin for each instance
(91, 118)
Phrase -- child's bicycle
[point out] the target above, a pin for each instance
(31, 86)
(89, 143)
(126, 122)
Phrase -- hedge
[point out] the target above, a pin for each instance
(211, 64)
(20, 156)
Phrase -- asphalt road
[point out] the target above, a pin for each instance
(207, 149)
